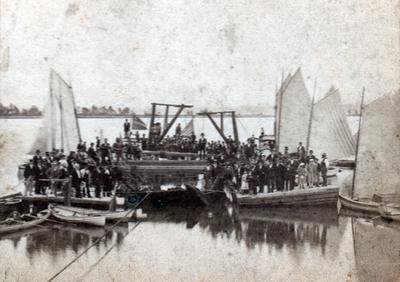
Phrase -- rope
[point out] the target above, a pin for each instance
(95, 242)
(109, 250)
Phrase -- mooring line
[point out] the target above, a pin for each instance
(96, 242)
(109, 250)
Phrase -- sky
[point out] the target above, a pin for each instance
(214, 54)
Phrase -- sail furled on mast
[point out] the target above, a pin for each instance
(329, 131)
(60, 127)
(378, 165)
(189, 128)
(293, 112)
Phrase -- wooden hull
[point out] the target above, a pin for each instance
(307, 197)
(76, 218)
(4, 229)
(359, 206)
(110, 216)
(389, 213)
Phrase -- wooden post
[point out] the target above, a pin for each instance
(235, 131)
(166, 117)
(222, 122)
(67, 192)
(151, 136)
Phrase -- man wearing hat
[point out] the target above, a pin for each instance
(202, 146)
(324, 169)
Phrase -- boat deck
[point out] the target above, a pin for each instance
(307, 197)
(95, 203)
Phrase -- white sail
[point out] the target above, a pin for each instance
(378, 164)
(189, 128)
(60, 128)
(293, 112)
(330, 132)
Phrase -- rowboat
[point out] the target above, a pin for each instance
(389, 212)
(365, 206)
(13, 225)
(76, 217)
(110, 216)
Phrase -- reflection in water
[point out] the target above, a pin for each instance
(376, 250)
(280, 233)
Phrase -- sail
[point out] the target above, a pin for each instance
(378, 164)
(189, 128)
(330, 132)
(59, 128)
(293, 112)
(137, 123)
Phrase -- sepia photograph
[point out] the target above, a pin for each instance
(186, 140)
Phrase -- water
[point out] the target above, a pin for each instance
(250, 245)
(197, 245)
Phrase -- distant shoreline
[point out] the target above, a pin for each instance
(128, 116)
(141, 116)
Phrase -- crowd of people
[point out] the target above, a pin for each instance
(94, 170)
(268, 173)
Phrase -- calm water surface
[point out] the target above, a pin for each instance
(211, 245)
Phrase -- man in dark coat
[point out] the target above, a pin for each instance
(260, 176)
(270, 175)
(202, 146)
(127, 128)
(76, 180)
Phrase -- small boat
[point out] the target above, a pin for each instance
(11, 225)
(122, 216)
(71, 216)
(390, 212)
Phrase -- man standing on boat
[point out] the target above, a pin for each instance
(202, 146)
(76, 180)
(301, 151)
(127, 128)
(29, 178)
(324, 169)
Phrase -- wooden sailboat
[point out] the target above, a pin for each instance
(293, 108)
(60, 127)
(376, 180)
(329, 130)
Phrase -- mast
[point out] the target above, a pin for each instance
(61, 115)
(358, 142)
(311, 117)
(52, 113)
(76, 114)
(278, 118)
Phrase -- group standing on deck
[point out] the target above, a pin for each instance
(94, 169)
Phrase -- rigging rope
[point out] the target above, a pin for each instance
(109, 250)
(97, 241)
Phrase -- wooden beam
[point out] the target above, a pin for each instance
(166, 117)
(235, 130)
(222, 121)
(165, 131)
(173, 105)
(217, 127)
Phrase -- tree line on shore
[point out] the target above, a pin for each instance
(13, 110)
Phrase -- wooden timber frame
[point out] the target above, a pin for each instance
(154, 140)
(220, 128)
